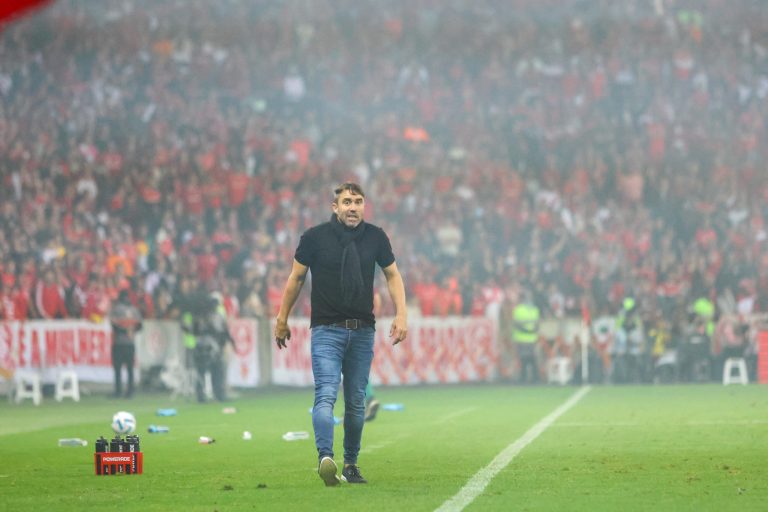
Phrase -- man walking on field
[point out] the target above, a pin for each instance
(342, 255)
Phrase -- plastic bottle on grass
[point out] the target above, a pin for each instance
(206, 440)
(72, 441)
(166, 412)
(158, 429)
(393, 407)
(295, 436)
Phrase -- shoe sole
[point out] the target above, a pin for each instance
(327, 472)
(374, 408)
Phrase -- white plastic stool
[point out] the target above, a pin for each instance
(27, 385)
(68, 386)
(559, 370)
(738, 364)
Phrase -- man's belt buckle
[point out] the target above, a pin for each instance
(351, 324)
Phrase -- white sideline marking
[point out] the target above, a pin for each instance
(373, 447)
(656, 424)
(477, 484)
(453, 415)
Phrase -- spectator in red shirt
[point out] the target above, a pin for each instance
(97, 301)
(8, 274)
(207, 263)
(237, 188)
(7, 304)
(194, 203)
(20, 302)
(426, 292)
(706, 236)
(448, 300)
(78, 272)
(49, 297)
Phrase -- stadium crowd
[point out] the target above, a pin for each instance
(583, 151)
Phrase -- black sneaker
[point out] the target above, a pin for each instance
(327, 471)
(351, 475)
(371, 409)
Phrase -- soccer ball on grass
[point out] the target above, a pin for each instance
(123, 423)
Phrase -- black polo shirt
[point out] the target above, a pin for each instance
(320, 250)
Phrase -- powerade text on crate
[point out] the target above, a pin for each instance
(118, 456)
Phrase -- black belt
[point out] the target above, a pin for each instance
(352, 324)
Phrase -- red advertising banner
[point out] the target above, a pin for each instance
(243, 365)
(48, 346)
(292, 366)
(86, 347)
(438, 350)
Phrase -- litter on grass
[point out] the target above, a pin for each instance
(295, 436)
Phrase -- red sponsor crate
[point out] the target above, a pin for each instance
(119, 463)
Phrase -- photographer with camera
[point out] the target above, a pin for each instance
(212, 335)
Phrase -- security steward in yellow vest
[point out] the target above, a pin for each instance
(705, 310)
(525, 335)
(695, 353)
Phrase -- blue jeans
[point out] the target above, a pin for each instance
(337, 351)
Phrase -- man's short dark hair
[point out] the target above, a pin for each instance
(353, 188)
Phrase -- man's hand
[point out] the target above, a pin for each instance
(282, 333)
(399, 330)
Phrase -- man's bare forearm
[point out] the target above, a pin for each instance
(291, 292)
(397, 293)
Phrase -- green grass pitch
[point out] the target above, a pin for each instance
(618, 449)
